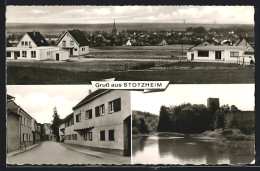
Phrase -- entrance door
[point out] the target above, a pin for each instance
(192, 56)
(57, 57)
(71, 51)
(218, 55)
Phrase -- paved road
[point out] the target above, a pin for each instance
(50, 152)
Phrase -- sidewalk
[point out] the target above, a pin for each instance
(22, 151)
(107, 157)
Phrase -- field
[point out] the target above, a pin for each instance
(23, 75)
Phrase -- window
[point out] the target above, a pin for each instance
(33, 54)
(64, 43)
(26, 136)
(75, 49)
(71, 43)
(8, 54)
(88, 136)
(26, 43)
(114, 105)
(99, 110)
(22, 43)
(78, 117)
(69, 137)
(48, 53)
(111, 135)
(83, 49)
(102, 136)
(29, 137)
(89, 114)
(234, 54)
(203, 53)
(24, 54)
(74, 136)
(30, 44)
(23, 137)
(24, 121)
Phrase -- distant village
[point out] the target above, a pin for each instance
(216, 44)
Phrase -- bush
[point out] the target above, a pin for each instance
(135, 130)
(143, 65)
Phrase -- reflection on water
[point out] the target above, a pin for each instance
(182, 149)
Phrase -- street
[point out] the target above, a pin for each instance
(50, 152)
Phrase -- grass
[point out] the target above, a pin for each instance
(35, 75)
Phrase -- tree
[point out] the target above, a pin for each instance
(219, 121)
(164, 123)
(55, 124)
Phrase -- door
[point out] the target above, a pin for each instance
(192, 56)
(127, 136)
(57, 57)
(71, 51)
(218, 55)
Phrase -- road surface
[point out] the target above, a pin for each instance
(50, 152)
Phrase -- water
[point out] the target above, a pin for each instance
(171, 148)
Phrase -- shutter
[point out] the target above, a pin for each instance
(90, 114)
(117, 104)
(97, 111)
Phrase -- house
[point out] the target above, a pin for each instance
(19, 130)
(102, 122)
(128, 43)
(163, 43)
(220, 53)
(47, 132)
(74, 42)
(66, 129)
(33, 46)
(36, 130)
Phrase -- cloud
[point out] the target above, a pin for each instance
(101, 11)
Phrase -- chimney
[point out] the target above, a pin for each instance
(89, 91)
(34, 32)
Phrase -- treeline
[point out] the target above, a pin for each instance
(190, 119)
(144, 122)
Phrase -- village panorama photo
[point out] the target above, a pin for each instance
(80, 44)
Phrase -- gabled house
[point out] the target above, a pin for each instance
(33, 46)
(128, 43)
(75, 42)
(163, 43)
(101, 122)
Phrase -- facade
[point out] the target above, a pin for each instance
(47, 132)
(74, 42)
(102, 122)
(219, 53)
(36, 130)
(33, 46)
(19, 126)
(163, 43)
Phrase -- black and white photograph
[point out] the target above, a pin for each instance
(194, 124)
(68, 124)
(80, 44)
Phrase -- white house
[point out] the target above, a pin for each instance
(163, 43)
(33, 46)
(74, 42)
(102, 122)
(218, 53)
(128, 43)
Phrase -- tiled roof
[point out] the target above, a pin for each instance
(8, 44)
(91, 97)
(38, 39)
(79, 37)
(9, 97)
(67, 118)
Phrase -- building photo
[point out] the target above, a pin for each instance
(79, 125)
(208, 124)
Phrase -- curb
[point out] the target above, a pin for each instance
(80, 151)
(23, 151)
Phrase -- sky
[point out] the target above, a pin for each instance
(39, 100)
(130, 14)
(240, 95)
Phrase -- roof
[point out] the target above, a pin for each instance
(208, 42)
(70, 116)
(91, 97)
(9, 97)
(38, 39)
(219, 48)
(78, 36)
(18, 107)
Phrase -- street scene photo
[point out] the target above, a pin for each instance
(79, 44)
(194, 124)
(67, 124)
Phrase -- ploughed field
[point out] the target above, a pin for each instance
(40, 75)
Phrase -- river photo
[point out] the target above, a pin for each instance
(180, 149)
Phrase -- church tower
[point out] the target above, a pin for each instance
(114, 31)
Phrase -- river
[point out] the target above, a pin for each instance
(170, 148)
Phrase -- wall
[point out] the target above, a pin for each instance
(26, 38)
(86, 51)
(63, 55)
(113, 121)
(13, 132)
